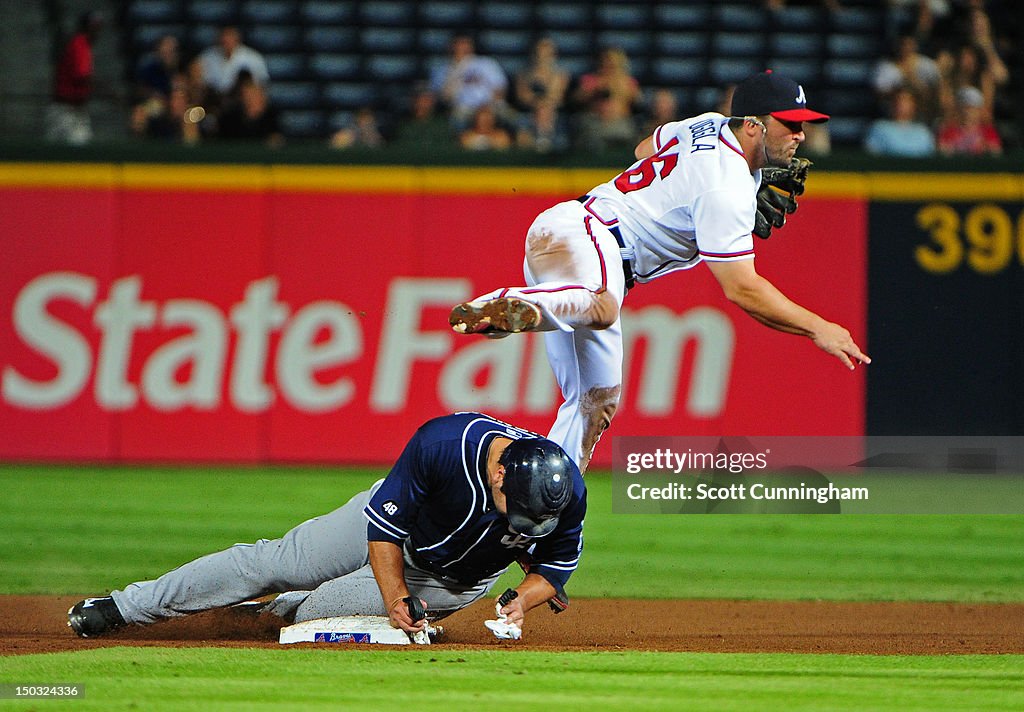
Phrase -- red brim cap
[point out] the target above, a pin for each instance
(813, 117)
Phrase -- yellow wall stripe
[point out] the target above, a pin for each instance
(483, 181)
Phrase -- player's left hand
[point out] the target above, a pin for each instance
(836, 340)
(776, 198)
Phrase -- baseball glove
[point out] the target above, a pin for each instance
(776, 198)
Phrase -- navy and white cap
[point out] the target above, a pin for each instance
(770, 93)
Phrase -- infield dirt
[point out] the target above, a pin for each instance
(38, 624)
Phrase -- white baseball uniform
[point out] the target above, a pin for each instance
(693, 200)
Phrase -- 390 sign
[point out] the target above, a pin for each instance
(986, 239)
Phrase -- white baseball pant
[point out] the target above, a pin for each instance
(573, 270)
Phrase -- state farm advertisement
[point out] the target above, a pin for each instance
(287, 326)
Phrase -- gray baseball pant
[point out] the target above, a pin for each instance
(323, 564)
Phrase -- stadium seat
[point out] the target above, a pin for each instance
(388, 13)
(738, 44)
(387, 39)
(804, 70)
(392, 68)
(848, 72)
(303, 123)
(791, 19)
(864, 19)
(506, 15)
(221, 12)
(681, 43)
(847, 130)
(203, 36)
(563, 16)
(622, 16)
(434, 40)
(785, 44)
(676, 16)
(573, 42)
(327, 12)
(723, 70)
(504, 42)
(330, 39)
(286, 66)
(513, 64)
(678, 70)
(850, 101)
(144, 37)
(576, 65)
(706, 99)
(632, 42)
(268, 11)
(274, 38)
(349, 95)
(854, 46)
(451, 14)
(143, 11)
(294, 95)
(335, 66)
(732, 18)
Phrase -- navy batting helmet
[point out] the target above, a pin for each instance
(537, 486)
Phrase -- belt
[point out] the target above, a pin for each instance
(627, 266)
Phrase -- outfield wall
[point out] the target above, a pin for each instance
(295, 313)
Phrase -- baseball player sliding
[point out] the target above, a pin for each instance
(698, 190)
(468, 496)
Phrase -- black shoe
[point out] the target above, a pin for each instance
(94, 616)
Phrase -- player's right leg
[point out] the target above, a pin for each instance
(572, 259)
(315, 551)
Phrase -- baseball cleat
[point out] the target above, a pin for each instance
(509, 315)
(94, 616)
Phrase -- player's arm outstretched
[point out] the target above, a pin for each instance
(389, 570)
(758, 297)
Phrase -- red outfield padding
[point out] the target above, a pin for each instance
(261, 326)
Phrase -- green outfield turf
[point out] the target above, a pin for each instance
(74, 530)
(81, 530)
(205, 678)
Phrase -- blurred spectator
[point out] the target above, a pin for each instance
(543, 130)
(484, 133)
(252, 118)
(968, 132)
(902, 135)
(424, 127)
(544, 81)
(975, 63)
(607, 97)
(67, 118)
(362, 133)
(199, 92)
(171, 120)
(468, 81)
(908, 68)
(223, 62)
(156, 69)
(664, 108)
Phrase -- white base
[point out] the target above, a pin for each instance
(349, 629)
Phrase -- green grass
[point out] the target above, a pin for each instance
(205, 678)
(88, 529)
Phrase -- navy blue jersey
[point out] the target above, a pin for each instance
(436, 502)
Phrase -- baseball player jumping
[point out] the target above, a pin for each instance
(696, 194)
(468, 496)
